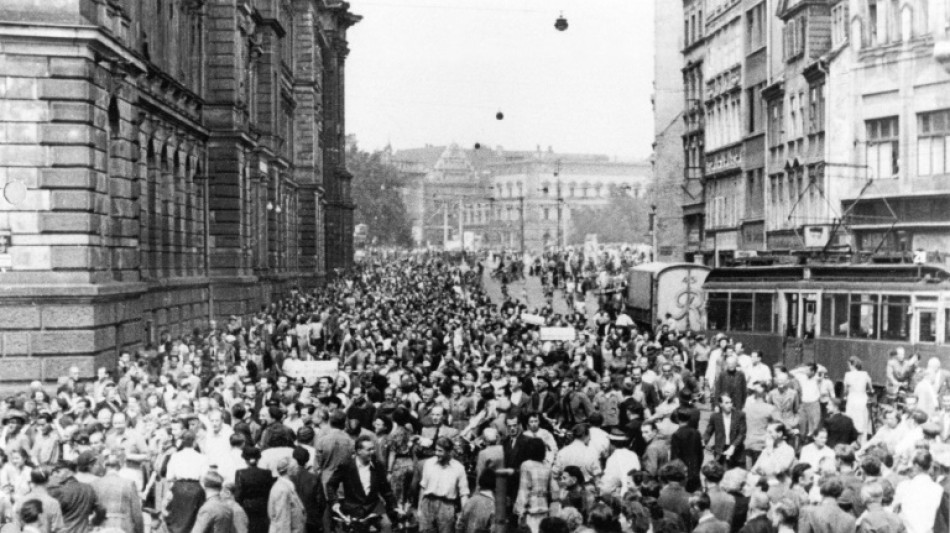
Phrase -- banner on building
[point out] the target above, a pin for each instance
(311, 371)
(558, 334)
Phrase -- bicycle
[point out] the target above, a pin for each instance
(347, 524)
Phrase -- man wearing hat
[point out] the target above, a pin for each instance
(284, 508)
(76, 500)
(620, 461)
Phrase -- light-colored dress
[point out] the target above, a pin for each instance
(857, 382)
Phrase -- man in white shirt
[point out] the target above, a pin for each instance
(817, 451)
(444, 482)
(622, 460)
(217, 440)
(916, 500)
(807, 377)
(758, 371)
(579, 453)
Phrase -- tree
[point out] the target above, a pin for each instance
(623, 219)
(379, 205)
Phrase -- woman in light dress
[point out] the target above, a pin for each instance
(857, 383)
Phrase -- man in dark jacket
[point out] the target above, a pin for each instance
(309, 489)
(215, 514)
(726, 429)
(686, 444)
(732, 381)
(78, 501)
(360, 500)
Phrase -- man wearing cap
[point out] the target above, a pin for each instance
(284, 508)
(620, 462)
(77, 500)
(216, 514)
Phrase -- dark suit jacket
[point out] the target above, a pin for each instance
(840, 430)
(759, 524)
(687, 446)
(310, 490)
(717, 428)
(251, 491)
(357, 502)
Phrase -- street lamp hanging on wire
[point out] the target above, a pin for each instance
(561, 23)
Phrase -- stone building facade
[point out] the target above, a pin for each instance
(163, 161)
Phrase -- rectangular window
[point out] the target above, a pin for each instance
(862, 320)
(873, 21)
(763, 312)
(755, 28)
(740, 312)
(839, 24)
(895, 319)
(927, 325)
(717, 311)
(883, 148)
(933, 134)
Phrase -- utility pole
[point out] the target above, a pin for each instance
(557, 175)
(521, 200)
(461, 227)
(445, 225)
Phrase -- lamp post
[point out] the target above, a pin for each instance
(560, 200)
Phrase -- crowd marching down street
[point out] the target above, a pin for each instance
(401, 397)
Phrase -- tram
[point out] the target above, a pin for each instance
(655, 290)
(826, 313)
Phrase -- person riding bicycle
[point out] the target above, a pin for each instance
(365, 484)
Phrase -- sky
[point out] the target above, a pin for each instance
(437, 71)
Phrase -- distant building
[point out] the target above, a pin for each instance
(535, 196)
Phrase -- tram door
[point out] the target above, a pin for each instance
(801, 319)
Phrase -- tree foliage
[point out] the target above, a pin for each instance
(623, 219)
(376, 189)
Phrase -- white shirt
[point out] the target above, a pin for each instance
(810, 391)
(759, 373)
(918, 499)
(449, 481)
(813, 456)
(619, 464)
(727, 426)
(187, 464)
(215, 446)
(366, 474)
(599, 441)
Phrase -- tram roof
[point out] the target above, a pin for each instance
(878, 273)
(658, 267)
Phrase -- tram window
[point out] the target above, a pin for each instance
(740, 312)
(717, 310)
(763, 312)
(946, 326)
(834, 315)
(895, 320)
(927, 325)
(862, 320)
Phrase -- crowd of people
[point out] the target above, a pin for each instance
(434, 408)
